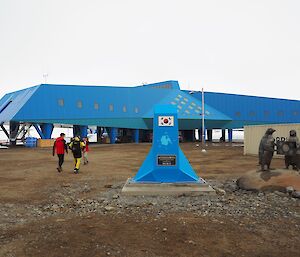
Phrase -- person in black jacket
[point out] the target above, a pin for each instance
(76, 147)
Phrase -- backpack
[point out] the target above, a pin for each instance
(76, 149)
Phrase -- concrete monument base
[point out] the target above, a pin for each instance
(161, 189)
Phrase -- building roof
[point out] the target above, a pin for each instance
(124, 107)
(132, 107)
(250, 110)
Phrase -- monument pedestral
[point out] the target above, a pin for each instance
(166, 170)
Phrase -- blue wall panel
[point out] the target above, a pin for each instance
(252, 110)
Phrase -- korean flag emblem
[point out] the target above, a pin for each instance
(166, 121)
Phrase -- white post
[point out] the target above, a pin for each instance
(203, 124)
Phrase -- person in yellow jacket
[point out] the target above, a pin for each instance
(76, 147)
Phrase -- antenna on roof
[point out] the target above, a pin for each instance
(45, 76)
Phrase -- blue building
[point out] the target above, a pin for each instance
(252, 110)
(130, 109)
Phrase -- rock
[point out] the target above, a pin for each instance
(101, 199)
(289, 189)
(115, 196)
(67, 200)
(279, 193)
(220, 191)
(86, 189)
(191, 242)
(231, 186)
(164, 229)
(118, 186)
(55, 207)
(109, 208)
(274, 180)
(296, 194)
(66, 185)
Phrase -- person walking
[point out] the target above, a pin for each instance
(85, 151)
(76, 147)
(60, 147)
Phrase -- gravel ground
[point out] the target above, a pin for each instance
(230, 201)
(45, 213)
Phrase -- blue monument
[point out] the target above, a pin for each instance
(166, 163)
(166, 170)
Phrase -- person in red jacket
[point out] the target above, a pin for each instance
(86, 150)
(60, 147)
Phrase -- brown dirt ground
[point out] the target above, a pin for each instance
(26, 176)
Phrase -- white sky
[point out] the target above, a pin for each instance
(237, 46)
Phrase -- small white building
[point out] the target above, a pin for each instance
(253, 135)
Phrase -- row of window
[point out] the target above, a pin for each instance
(79, 105)
(267, 113)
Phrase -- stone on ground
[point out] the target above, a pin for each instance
(274, 180)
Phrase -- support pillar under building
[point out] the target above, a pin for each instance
(209, 135)
(80, 130)
(4, 130)
(188, 135)
(47, 129)
(223, 138)
(136, 135)
(13, 132)
(113, 133)
(99, 134)
(230, 135)
(83, 131)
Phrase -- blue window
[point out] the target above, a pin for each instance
(280, 113)
(79, 104)
(252, 114)
(61, 102)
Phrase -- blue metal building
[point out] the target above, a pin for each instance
(253, 110)
(131, 108)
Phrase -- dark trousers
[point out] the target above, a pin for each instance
(61, 158)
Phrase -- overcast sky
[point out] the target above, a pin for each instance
(236, 46)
